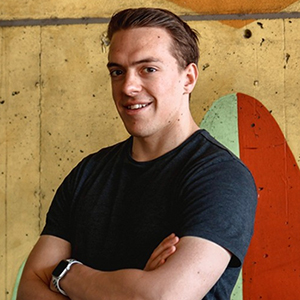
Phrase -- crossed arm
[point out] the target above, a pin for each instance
(187, 273)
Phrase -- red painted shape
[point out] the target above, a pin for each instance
(272, 266)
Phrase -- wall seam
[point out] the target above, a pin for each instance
(191, 17)
(3, 81)
(40, 133)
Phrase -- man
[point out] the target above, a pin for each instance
(117, 205)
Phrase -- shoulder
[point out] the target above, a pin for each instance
(217, 183)
(103, 156)
(106, 152)
(95, 164)
(212, 166)
(203, 153)
(201, 145)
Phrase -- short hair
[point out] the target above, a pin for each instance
(185, 39)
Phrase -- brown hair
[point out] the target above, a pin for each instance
(185, 40)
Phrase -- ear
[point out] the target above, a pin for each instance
(191, 76)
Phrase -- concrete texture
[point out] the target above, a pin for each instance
(56, 107)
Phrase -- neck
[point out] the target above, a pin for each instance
(149, 148)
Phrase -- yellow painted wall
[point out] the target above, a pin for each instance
(56, 107)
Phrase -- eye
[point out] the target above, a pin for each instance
(115, 73)
(149, 70)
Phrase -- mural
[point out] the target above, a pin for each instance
(272, 266)
(216, 7)
(48, 81)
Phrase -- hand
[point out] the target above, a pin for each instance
(161, 253)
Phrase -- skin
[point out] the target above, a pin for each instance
(143, 71)
(36, 279)
(144, 75)
(165, 249)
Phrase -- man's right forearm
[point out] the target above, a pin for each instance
(37, 290)
(46, 254)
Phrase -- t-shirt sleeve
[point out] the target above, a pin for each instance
(219, 205)
(57, 218)
(59, 215)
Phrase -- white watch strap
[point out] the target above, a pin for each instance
(56, 284)
(56, 280)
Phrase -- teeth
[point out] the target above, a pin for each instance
(136, 106)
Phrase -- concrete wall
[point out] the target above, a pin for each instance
(55, 102)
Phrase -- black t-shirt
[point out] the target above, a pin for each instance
(115, 211)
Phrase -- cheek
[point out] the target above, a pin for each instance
(116, 100)
(166, 85)
(115, 90)
(173, 89)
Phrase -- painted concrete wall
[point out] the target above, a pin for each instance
(56, 107)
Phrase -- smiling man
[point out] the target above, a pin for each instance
(150, 90)
(166, 214)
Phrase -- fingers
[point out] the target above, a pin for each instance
(162, 252)
(166, 245)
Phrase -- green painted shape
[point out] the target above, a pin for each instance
(15, 291)
(221, 121)
(237, 293)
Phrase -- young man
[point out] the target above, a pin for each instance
(117, 205)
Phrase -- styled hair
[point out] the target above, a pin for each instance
(184, 39)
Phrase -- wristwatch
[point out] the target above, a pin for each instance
(60, 271)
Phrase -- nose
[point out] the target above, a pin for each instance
(131, 84)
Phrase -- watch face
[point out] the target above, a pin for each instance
(60, 267)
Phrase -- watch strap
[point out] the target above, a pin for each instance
(56, 280)
(56, 284)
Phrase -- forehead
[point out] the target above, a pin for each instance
(140, 41)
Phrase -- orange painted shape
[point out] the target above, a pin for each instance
(234, 6)
(272, 265)
(236, 23)
(217, 7)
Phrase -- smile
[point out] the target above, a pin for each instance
(137, 106)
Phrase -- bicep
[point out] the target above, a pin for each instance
(188, 274)
(45, 255)
(193, 269)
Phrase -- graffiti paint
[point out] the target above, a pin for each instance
(272, 265)
(215, 7)
(221, 122)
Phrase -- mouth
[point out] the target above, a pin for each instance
(137, 106)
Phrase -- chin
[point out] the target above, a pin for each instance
(137, 133)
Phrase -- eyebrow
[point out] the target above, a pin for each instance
(142, 61)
